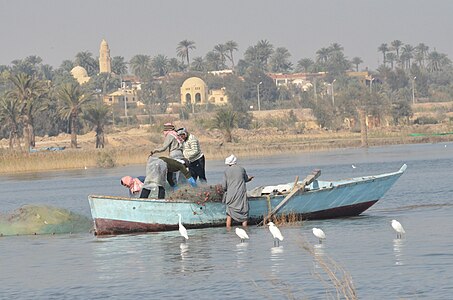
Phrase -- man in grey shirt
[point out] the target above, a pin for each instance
(235, 196)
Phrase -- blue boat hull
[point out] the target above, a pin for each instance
(320, 200)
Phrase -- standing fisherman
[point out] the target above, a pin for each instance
(192, 151)
(235, 196)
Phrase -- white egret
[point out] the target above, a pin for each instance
(242, 234)
(353, 166)
(182, 229)
(398, 228)
(319, 234)
(275, 233)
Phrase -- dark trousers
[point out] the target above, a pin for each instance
(196, 169)
(145, 193)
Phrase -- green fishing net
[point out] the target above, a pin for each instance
(43, 219)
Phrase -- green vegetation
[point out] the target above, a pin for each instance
(38, 100)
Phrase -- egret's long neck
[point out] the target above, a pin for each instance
(179, 219)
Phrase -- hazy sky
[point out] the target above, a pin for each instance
(56, 30)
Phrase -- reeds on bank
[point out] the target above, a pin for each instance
(246, 145)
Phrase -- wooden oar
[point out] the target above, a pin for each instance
(297, 187)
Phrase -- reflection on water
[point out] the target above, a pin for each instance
(398, 251)
(184, 247)
(319, 250)
(277, 259)
(241, 254)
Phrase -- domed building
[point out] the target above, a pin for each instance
(80, 74)
(195, 91)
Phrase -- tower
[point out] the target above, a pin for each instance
(104, 58)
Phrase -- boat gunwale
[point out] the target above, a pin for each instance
(343, 182)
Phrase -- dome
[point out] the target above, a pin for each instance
(194, 81)
(79, 72)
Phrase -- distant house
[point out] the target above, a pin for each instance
(195, 91)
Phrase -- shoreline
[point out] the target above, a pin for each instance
(247, 146)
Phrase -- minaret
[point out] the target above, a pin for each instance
(104, 58)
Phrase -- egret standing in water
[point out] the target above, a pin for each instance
(319, 234)
(398, 228)
(275, 233)
(182, 229)
(242, 234)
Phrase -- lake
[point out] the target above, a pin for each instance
(213, 264)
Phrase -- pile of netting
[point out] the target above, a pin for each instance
(200, 194)
(43, 219)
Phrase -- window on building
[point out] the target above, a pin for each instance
(197, 97)
(188, 98)
(221, 99)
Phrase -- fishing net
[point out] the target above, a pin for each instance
(202, 193)
(43, 219)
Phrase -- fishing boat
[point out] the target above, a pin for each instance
(307, 199)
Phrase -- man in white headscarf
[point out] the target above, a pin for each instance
(235, 196)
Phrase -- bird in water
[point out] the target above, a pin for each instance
(182, 229)
(353, 166)
(242, 234)
(319, 234)
(278, 237)
(398, 228)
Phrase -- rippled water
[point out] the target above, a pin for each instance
(213, 264)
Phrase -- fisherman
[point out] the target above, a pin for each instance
(133, 184)
(235, 196)
(173, 142)
(192, 151)
(158, 171)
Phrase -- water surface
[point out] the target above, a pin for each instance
(213, 264)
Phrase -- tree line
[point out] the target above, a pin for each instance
(36, 99)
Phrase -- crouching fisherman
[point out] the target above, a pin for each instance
(158, 171)
(133, 184)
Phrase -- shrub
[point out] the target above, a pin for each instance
(425, 120)
(105, 160)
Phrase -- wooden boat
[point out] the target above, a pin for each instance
(309, 199)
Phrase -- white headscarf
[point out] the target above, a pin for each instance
(230, 160)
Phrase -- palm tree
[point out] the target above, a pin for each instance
(99, 116)
(265, 50)
(226, 120)
(383, 48)
(421, 51)
(10, 117)
(213, 61)
(73, 99)
(67, 65)
(334, 47)
(356, 61)
(30, 93)
(279, 61)
(407, 55)
(198, 64)
(174, 65)
(304, 64)
(222, 51)
(85, 59)
(396, 44)
(437, 61)
(230, 47)
(391, 58)
(183, 50)
(160, 65)
(140, 65)
(119, 66)
(322, 55)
